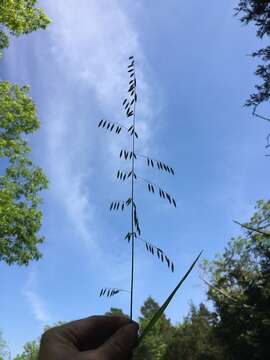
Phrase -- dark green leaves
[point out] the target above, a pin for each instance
(152, 249)
(129, 111)
(161, 310)
(120, 204)
(116, 205)
(109, 292)
(151, 188)
(136, 220)
(128, 236)
(132, 131)
(110, 126)
(160, 165)
(129, 103)
(127, 155)
(163, 194)
(121, 175)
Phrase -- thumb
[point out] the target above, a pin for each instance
(119, 346)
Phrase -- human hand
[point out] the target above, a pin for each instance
(92, 338)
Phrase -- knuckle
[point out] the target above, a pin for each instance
(48, 334)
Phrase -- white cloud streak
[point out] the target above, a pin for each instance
(91, 41)
(35, 301)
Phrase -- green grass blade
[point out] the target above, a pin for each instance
(166, 303)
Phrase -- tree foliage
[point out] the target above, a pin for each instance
(194, 338)
(4, 353)
(19, 17)
(20, 216)
(116, 312)
(30, 351)
(258, 13)
(154, 345)
(243, 272)
(31, 348)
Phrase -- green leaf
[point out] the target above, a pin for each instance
(161, 310)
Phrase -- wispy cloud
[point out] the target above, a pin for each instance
(91, 42)
(35, 301)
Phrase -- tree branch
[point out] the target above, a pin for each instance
(252, 229)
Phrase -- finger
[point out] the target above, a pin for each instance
(119, 346)
(92, 332)
(54, 345)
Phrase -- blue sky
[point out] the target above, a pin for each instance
(193, 78)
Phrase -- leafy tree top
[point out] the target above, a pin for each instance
(21, 182)
(19, 17)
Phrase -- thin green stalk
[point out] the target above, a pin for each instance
(132, 207)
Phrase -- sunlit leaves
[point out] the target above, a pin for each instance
(20, 217)
(20, 17)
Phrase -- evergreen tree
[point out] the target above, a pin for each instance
(194, 338)
(154, 346)
(258, 13)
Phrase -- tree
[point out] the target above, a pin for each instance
(194, 338)
(240, 289)
(31, 348)
(258, 12)
(154, 346)
(115, 312)
(20, 17)
(4, 353)
(20, 216)
(30, 351)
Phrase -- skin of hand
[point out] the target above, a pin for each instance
(92, 338)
